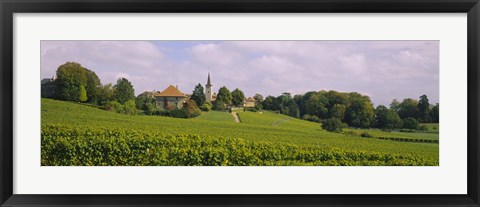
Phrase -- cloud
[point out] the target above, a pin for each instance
(382, 69)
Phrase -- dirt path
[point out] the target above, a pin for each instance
(235, 116)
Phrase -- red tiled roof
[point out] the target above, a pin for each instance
(171, 91)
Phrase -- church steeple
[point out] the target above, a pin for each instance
(208, 90)
(208, 81)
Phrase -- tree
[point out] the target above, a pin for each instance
(360, 112)
(130, 107)
(224, 96)
(123, 91)
(268, 103)
(82, 94)
(408, 108)
(70, 77)
(338, 111)
(104, 94)
(423, 109)
(387, 118)
(435, 113)
(410, 123)
(258, 98)
(192, 109)
(395, 105)
(333, 125)
(198, 95)
(93, 85)
(316, 104)
(238, 98)
(293, 110)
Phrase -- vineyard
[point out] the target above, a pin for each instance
(77, 135)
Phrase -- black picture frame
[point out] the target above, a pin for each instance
(9, 7)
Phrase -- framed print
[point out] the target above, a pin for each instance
(199, 103)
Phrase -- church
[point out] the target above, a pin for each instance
(173, 98)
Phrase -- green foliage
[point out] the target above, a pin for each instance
(75, 146)
(130, 107)
(218, 105)
(360, 113)
(198, 95)
(70, 77)
(333, 125)
(408, 108)
(224, 96)
(191, 109)
(387, 118)
(366, 134)
(115, 107)
(70, 136)
(435, 113)
(338, 111)
(410, 123)
(104, 94)
(238, 98)
(215, 116)
(423, 109)
(123, 91)
(309, 117)
(82, 94)
(178, 113)
(206, 107)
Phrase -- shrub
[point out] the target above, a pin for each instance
(423, 128)
(311, 118)
(191, 109)
(206, 106)
(366, 134)
(178, 113)
(333, 125)
(115, 107)
(410, 123)
(130, 107)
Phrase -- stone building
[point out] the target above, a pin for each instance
(170, 98)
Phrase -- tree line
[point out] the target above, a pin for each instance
(334, 109)
(353, 109)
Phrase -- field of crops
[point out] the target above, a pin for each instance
(216, 116)
(74, 134)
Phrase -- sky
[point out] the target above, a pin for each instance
(382, 70)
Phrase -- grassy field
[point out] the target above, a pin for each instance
(73, 134)
(216, 116)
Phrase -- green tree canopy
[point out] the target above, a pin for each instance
(123, 91)
(360, 113)
(198, 95)
(70, 77)
(387, 118)
(423, 109)
(408, 108)
(238, 97)
(224, 95)
(83, 94)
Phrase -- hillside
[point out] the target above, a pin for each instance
(290, 140)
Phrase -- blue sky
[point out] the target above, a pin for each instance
(383, 70)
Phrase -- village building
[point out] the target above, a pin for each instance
(249, 102)
(209, 97)
(170, 98)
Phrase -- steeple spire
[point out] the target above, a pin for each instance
(208, 81)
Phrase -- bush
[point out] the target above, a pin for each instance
(178, 113)
(191, 109)
(311, 118)
(410, 123)
(130, 107)
(206, 106)
(250, 109)
(352, 133)
(115, 107)
(333, 125)
(423, 128)
(366, 134)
